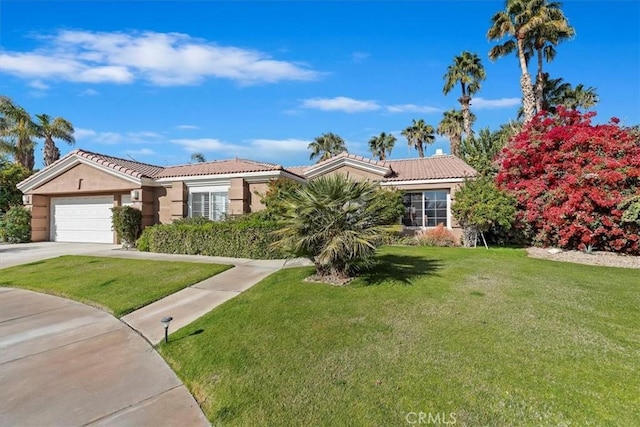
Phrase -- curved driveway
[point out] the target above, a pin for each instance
(63, 363)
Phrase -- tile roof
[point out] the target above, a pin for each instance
(302, 170)
(218, 167)
(129, 167)
(435, 167)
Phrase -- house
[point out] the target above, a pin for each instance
(71, 199)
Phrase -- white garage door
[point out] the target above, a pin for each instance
(81, 219)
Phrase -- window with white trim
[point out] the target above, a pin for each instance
(209, 204)
(427, 208)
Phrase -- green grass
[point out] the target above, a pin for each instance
(117, 285)
(492, 337)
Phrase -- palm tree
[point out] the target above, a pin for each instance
(481, 151)
(17, 131)
(382, 145)
(57, 128)
(519, 22)
(326, 146)
(553, 30)
(418, 134)
(469, 72)
(452, 126)
(334, 221)
(198, 158)
(581, 97)
(558, 92)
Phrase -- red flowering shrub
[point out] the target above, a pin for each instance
(570, 177)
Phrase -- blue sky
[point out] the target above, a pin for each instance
(157, 81)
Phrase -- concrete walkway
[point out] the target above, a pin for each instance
(63, 363)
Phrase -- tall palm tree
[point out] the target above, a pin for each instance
(326, 146)
(469, 72)
(553, 30)
(381, 146)
(519, 22)
(48, 129)
(419, 134)
(452, 126)
(17, 132)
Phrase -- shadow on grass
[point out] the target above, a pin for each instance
(192, 334)
(400, 268)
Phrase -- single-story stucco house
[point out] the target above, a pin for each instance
(71, 199)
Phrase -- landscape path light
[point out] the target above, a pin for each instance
(165, 322)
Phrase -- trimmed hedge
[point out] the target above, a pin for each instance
(15, 225)
(236, 239)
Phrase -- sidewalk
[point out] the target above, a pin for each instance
(193, 302)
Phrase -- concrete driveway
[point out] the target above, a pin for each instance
(24, 253)
(63, 363)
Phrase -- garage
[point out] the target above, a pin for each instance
(81, 219)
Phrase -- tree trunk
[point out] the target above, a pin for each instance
(469, 236)
(420, 149)
(528, 96)
(539, 84)
(51, 152)
(455, 141)
(466, 114)
(24, 154)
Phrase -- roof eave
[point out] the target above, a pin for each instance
(68, 162)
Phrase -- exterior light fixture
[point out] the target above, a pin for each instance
(165, 322)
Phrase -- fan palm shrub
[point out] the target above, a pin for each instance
(337, 223)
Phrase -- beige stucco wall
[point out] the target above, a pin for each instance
(171, 202)
(256, 191)
(354, 173)
(239, 197)
(40, 218)
(83, 179)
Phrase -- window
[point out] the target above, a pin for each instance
(426, 209)
(212, 205)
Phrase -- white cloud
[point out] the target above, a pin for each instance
(340, 103)
(350, 105)
(80, 133)
(162, 59)
(269, 149)
(412, 108)
(488, 104)
(207, 144)
(89, 92)
(358, 57)
(188, 127)
(113, 138)
(38, 84)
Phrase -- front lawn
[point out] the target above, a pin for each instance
(115, 284)
(480, 337)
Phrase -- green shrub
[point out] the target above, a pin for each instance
(196, 220)
(15, 225)
(438, 236)
(127, 222)
(142, 244)
(242, 237)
